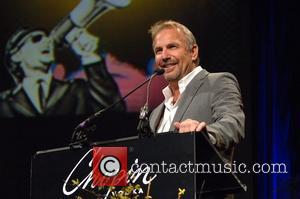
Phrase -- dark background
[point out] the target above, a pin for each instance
(258, 41)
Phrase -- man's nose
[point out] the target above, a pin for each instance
(165, 55)
(48, 41)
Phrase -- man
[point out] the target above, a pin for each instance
(29, 55)
(195, 100)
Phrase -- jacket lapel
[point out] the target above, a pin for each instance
(57, 90)
(22, 104)
(156, 115)
(187, 96)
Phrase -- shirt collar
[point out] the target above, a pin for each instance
(30, 82)
(44, 77)
(182, 83)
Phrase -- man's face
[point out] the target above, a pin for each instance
(36, 51)
(172, 54)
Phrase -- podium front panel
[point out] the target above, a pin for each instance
(65, 173)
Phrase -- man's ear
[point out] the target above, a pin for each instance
(16, 57)
(195, 51)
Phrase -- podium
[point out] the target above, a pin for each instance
(66, 172)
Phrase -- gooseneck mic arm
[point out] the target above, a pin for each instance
(79, 136)
(143, 127)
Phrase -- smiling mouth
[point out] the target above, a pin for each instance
(168, 65)
(46, 51)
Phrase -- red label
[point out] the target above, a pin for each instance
(110, 166)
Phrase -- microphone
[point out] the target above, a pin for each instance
(143, 127)
(158, 71)
(79, 135)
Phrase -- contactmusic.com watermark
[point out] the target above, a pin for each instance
(110, 167)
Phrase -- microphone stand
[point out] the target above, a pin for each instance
(79, 136)
(143, 127)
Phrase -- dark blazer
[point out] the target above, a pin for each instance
(214, 98)
(67, 97)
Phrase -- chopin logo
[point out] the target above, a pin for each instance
(109, 166)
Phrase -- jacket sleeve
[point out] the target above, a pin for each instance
(228, 117)
(102, 87)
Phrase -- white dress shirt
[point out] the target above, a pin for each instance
(170, 108)
(31, 86)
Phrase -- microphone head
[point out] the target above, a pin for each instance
(159, 71)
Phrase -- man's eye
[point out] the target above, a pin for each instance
(172, 46)
(157, 51)
(36, 38)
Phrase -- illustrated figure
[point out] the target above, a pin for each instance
(29, 54)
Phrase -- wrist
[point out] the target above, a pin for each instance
(90, 59)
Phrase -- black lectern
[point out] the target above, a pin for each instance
(180, 163)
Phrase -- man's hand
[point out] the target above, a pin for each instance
(189, 125)
(84, 45)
